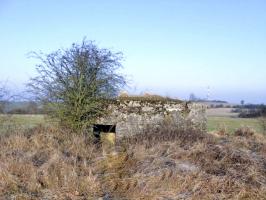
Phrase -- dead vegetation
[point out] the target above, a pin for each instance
(147, 97)
(165, 162)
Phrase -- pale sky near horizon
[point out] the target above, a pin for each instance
(171, 47)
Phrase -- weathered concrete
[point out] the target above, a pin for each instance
(132, 115)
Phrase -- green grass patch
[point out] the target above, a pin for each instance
(10, 123)
(28, 120)
(231, 124)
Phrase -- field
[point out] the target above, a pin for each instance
(223, 118)
(10, 123)
(24, 120)
(231, 124)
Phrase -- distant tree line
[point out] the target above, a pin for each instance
(218, 103)
(250, 110)
(30, 107)
(12, 107)
(8, 104)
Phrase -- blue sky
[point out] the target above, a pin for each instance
(171, 47)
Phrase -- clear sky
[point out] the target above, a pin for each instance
(171, 47)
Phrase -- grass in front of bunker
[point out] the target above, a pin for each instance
(167, 162)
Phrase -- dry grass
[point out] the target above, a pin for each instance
(163, 163)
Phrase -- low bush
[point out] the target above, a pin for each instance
(244, 131)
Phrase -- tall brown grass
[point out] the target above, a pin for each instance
(165, 162)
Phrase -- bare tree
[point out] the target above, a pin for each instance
(75, 84)
(192, 97)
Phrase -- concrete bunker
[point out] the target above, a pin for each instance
(132, 115)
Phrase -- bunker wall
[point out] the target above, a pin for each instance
(133, 116)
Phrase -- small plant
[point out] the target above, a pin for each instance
(222, 130)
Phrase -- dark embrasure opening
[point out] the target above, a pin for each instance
(102, 128)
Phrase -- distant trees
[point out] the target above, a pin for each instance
(250, 110)
(24, 107)
(192, 97)
(3, 97)
(32, 108)
(253, 111)
(75, 84)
